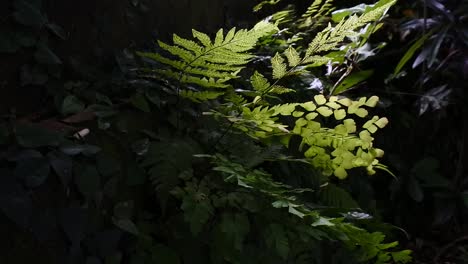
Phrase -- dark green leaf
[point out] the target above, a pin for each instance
(236, 227)
(124, 210)
(30, 135)
(106, 164)
(44, 55)
(414, 190)
(163, 254)
(464, 196)
(63, 167)
(33, 75)
(15, 202)
(197, 213)
(33, 172)
(410, 52)
(57, 30)
(87, 179)
(352, 80)
(8, 43)
(126, 225)
(28, 14)
(277, 239)
(335, 196)
(136, 175)
(72, 105)
(75, 149)
(25, 39)
(139, 101)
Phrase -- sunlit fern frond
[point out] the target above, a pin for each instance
(319, 8)
(205, 62)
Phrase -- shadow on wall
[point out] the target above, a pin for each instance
(95, 30)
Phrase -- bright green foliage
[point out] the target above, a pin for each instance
(331, 37)
(334, 150)
(330, 135)
(205, 62)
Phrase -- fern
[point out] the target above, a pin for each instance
(318, 8)
(334, 150)
(167, 160)
(200, 96)
(368, 245)
(331, 37)
(205, 62)
(260, 5)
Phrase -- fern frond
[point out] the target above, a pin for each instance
(279, 67)
(367, 245)
(293, 56)
(200, 96)
(205, 62)
(259, 82)
(331, 37)
(260, 5)
(318, 8)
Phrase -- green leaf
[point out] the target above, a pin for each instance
(324, 111)
(350, 125)
(352, 80)
(279, 67)
(410, 52)
(311, 116)
(202, 37)
(320, 99)
(293, 56)
(340, 173)
(200, 96)
(322, 221)
(361, 112)
(382, 122)
(259, 82)
(309, 106)
(297, 113)
(403, 256)
(72, 105)
(372, 101)
(339, 114)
